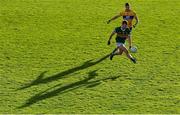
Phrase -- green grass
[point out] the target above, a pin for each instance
(53, 58)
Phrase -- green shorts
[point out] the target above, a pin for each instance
(120, 40)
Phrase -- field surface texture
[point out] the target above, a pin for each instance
(54, 57)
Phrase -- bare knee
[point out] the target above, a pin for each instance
(125, 50)
(120, 50)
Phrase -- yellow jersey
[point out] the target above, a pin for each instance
(128, 16)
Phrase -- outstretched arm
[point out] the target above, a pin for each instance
(113, 18)
(112, 34)
(137, 21)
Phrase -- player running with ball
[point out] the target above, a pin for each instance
(127, 15)
(123, 33)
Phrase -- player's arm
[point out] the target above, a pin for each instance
(112, 34)
(113, 18)
(137, 21)
(130, 41)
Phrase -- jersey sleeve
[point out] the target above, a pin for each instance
(116, 30)
(121, 13)
(128, 31)
(134, 13)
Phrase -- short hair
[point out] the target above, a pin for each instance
(126, 4)
(124, 22)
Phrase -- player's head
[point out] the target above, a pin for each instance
(124, 24)
(127, 6)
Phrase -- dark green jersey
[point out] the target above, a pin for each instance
(121, 33)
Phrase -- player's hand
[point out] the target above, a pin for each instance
(108, 42)
(108, 21)
(134, 26)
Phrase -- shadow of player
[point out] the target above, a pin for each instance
(58, 89)
(41, 80)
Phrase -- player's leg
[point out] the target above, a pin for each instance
(117, 51)
(120, 51)
(128, 54)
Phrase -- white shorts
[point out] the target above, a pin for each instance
(120, 44)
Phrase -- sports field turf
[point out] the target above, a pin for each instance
(54, 57)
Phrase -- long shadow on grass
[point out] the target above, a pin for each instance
(41, 80)
(58, 89)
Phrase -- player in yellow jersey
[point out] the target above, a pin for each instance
(127, 15)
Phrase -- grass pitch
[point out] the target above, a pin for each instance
(54, 58)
